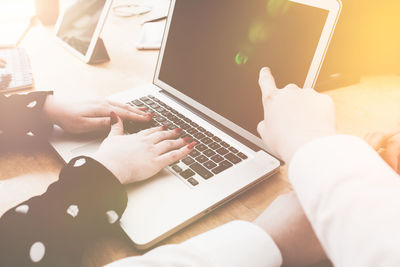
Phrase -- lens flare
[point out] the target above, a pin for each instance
(241, 58)
(277, 7)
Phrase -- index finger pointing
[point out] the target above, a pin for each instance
(267, 82)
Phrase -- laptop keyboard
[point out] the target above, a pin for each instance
(18, 70)
(211, 155)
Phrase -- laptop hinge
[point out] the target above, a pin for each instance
(215, 123)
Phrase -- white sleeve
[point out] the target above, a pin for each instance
(235, 244)
(352, 198)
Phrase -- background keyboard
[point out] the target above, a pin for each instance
(18, 73)
(211, 155)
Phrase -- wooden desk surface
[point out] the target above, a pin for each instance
(371, 105)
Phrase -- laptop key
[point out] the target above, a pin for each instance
(137, 103)
(209, 153)
(242, 156)
(222, 167)
(185, 126)
(222, 151)
(188, 160)
(199, 135)
(217, 158)
(194, 124)
(206, 141)
(192, 131)
(224, 144)
(144, 98)
(200, 170)
(217, 139)
(201, 147)
(201, 158)
(232, 158)
(233, 150)
(193, 181)
(176, 168)
(201, 129)
(195, 153)
(188, 173)
(214, 146)
(209, 134)
(180, 115)
(210, 164)
(187, 120)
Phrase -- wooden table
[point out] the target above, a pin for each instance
(371, 105)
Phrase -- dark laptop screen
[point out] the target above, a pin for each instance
(216, 48)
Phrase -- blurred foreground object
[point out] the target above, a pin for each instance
(47, 11)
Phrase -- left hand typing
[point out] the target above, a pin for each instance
(88, 115)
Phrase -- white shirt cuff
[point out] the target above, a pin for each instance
(237, 243)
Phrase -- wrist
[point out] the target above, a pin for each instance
(111, 166)
(49, 109)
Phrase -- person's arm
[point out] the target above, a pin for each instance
(235, 244)
(349, 194)
(52, 229)
(351, 197)
(21, 119)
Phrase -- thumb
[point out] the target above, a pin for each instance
(267, 82)
(117, 127)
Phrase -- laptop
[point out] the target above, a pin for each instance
(205, 82)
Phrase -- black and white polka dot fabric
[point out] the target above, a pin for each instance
(53, 229)
(22, 124)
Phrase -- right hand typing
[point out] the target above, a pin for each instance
(136, 157)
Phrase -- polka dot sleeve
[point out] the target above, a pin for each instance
(21, 120)
(53, 229)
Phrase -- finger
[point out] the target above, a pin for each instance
(136, 110)
(159, 136)
(169, 145)
(392, 152)
(153, 130)
(261, 128)
(132, 116)
(175, 155)
(267, 82)
(375, 140)
(93, 124)
(117, 127)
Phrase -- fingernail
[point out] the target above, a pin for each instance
(187, 139)
(113, 118)
(192, 145)
(178, 130)
(164, 127)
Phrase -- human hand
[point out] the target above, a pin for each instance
(286, 223)
(136, 157)
(293, 116)
(84, 116)
(388, 146)
(3, 63)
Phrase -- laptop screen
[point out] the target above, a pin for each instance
(216, 48)
(79, 23)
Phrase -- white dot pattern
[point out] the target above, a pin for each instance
(23, 209)
(37, 251)
(32, 104)
(73, 210)
(79, 162)
(112, 216)
(30, 134)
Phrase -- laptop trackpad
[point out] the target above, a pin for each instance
(86, 150)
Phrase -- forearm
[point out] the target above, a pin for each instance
(85, 201)
(350, 196)
(235, 244)
(22, 120)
